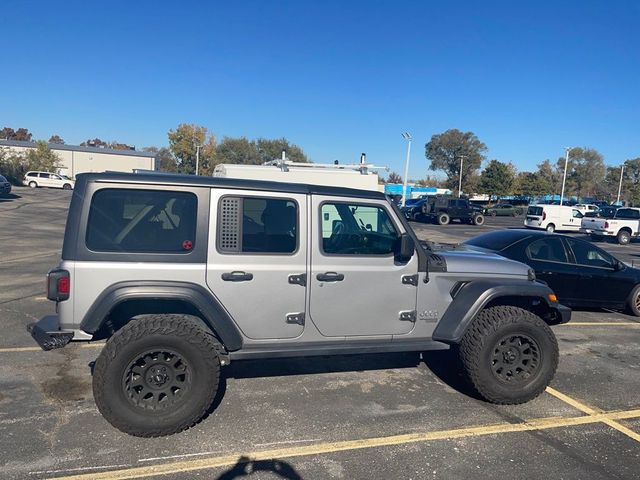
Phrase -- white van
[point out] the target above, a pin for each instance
(47, 179)
(553, 217)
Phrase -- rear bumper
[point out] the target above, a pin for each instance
(46, 332)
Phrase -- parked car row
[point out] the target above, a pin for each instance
(443, 209)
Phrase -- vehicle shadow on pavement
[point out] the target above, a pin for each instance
(444, 364)
(9, 198)
(325, 364)
(246, 467)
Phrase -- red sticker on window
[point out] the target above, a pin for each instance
(187, 245)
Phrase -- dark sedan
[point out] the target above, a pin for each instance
(580, 273)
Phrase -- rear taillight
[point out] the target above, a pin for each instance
(544, 216)
(58, 285)
(606, 225)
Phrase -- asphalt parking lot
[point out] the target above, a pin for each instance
(371, 416)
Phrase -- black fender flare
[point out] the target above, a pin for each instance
(473, 296)
(212, 311)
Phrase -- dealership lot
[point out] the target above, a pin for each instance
(393, 416)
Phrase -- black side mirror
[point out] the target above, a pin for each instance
(618, 266)
(407, 247)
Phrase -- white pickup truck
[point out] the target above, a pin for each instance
(624, 226)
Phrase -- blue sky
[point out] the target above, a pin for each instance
(336, 77)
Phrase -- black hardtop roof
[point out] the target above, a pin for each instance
(153, 178)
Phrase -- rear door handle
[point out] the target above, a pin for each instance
(237, 277)
(330, 277)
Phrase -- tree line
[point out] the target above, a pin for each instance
(587, 175)
(185, 143)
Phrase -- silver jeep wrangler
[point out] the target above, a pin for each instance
(182, 275)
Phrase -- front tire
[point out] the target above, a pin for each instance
(509, 355)
(634, 301)
(33, 184)
(551, 228)
(478, 220)
(157, 376)
(66, 186)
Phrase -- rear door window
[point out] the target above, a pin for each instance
(257, 225)
(151, 221)
(536, 211)
(547, 250)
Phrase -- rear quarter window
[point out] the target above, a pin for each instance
(149, 221)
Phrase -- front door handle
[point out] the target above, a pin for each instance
(330, 277)
(237, 277)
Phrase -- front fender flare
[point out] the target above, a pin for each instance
(477, 294)
(212, 311)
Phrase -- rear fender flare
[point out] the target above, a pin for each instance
(209, 307)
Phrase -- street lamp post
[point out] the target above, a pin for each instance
(407, 136)
(460, 179)
(620, 184)
(564, 174)
(197, 157)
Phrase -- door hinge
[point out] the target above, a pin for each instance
(296, 318)
(410, 280)
(408, 316)
(298, 279)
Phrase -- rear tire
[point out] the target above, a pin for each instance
(443, 219)
(33, 184)
(624, 237)
(157, 376)
(551, 228)
(508, 355)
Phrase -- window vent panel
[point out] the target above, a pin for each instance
(229, 231)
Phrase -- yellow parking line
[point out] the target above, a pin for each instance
(358, 444)
(38, 349)
(597, 324)
(590, 411)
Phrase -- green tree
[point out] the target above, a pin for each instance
(630, 181)
(21, 134)
(496, 179)
(42, 158)
(272, 150)
(238, 151)
(549, 178)
(585, 171)
(57, 139)
(446, 150)
(183, 144)
(165, 161)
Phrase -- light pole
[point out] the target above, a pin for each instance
(564, 174)
(620, 185)
(407, 136)
(197, 157)
(460, 179)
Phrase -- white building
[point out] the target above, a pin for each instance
(360, 176)
(75, 159)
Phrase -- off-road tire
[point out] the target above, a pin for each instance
(487, 334)
(624, 237)
(551, 228)
(182, 335)
(633, 303)
(443, 219)
(478, 220)
(33, 184)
